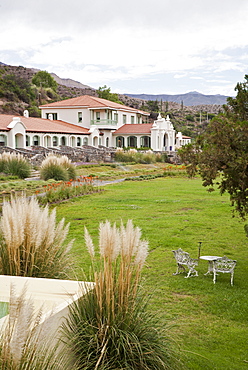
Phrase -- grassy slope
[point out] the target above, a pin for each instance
(210, 320)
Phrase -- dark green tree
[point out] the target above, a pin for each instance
(153, 105)
(104, 92)
(45, 80)
(238, 107)
(220, 154)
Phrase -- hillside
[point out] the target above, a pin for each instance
(17, 94)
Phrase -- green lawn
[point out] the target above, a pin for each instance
(208, 321)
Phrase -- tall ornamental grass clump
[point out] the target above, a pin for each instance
(23, 345)
(57, 168)
(31, 242)
(110, 328)
(15, 165)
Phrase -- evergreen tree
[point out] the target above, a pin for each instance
(105, 93)
(45, 80)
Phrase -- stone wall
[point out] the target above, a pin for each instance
(77, 155)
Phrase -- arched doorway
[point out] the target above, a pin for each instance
(165, 142)
(47, 141)
(36, 140)
(55, 141)
(145, 142)
(95, 141)
(63, 140)
(27, 140)
(19, 141)
(120, 142)
(132, 141)
(3, 140)
(73, 141)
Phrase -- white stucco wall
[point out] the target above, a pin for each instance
(17, 134)
(163, 135)
(69, 115)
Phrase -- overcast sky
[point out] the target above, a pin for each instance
(132, 46)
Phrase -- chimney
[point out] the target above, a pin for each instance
(26, 113)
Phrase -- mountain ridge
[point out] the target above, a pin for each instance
(189, 99)
(192, 98)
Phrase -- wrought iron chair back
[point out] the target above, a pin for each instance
(224, 265)
(184, 259)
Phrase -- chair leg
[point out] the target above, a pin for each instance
(191, 271)
(231, 278)
(179, 267)
(214, 279)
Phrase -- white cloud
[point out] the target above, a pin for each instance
(112, 40)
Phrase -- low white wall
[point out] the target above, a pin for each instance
(52, 295)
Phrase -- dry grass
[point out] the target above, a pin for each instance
(23, 345)
(32, 244)
(58, 168)
(110, 328)
(122, 254)
(14, 164)
(56, 160)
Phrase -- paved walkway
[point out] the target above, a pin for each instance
(106, 182)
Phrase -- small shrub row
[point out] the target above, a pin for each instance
(133, 155)
(144, 177)
(168, 172)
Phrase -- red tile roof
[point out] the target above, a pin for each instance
(42, 125)
(5, 121)
(144, 128)
(88, 101)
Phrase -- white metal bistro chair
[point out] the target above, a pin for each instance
(184, 259)
(225, 265)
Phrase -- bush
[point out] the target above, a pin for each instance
(71, 170)
(34, 111)
(54, 171)
(15, 165)
(57, 168)
(109, 328)
(31, 242)
(132, 155)
(162, 158)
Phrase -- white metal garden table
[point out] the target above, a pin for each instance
(210, 260)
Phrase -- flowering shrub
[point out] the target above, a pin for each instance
(175, 170)
(66, 189)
